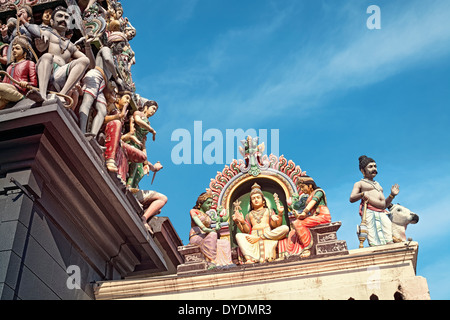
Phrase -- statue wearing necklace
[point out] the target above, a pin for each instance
(61, 65)
(373, 203)
(261, 228)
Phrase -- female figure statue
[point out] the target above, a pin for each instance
(22, 70)
(315, 213)
(201, 233)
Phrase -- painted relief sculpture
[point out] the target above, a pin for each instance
(61, 64)
(264, 205)
(315, 212)
(201, 233)
(95, 81)
(118, 154)
(16, 26)
(252, 153)
(261, 228)
(375, 223)
(80, 53)
(139, 128)
(20, 75)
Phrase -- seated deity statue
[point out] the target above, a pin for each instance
(261, 228)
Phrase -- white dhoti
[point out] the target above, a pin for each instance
(94, 84)
(379, 228)
(262, 250)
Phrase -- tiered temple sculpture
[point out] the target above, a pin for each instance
(78, 54)
(265, 201)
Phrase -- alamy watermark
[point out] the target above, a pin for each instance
(374, 21)
(213, 146)
(74, 280)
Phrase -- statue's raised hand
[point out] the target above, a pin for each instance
(238, 216)
(395, 189)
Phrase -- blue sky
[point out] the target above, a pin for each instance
(334, 90)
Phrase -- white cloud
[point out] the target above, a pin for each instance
(340, 58)
(417, 33)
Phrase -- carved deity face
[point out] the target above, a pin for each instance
(119, 13)
(118, 47)
(151, 111)
(17, 52)
(60, 21)
(306, 188)
(206, 205)
(257, 201)
(124, 100)
(370, 171)
(46, 16)
(23, 12)
(130, 33)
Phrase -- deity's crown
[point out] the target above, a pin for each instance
(256, 188)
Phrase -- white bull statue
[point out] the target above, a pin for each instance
(400, 218)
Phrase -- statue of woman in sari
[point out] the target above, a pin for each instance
(201, 233)
(314, 213)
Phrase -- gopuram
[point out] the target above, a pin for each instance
(73, 151)
(75, 224)
(262, 230)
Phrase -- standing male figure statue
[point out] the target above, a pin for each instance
(373, 203)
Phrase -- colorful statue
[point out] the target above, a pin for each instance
(94, 22)
(139, 128)
(96, 80)
(46, 17)
(313, 213)
(116, 20)
(201, 233)
(261, 228)
(297, 203)
(124, 61)
(375, 223)
(130, 32)
(62, 65)
(152, 203)
(118, 153)
(17, 27)
(252, 153)
(20, 74)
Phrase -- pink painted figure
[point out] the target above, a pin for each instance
(21, 70)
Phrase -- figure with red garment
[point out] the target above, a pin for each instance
(22, 70)
(314, 213)
(118, 153)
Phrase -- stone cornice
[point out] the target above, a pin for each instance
(76, 191)
(402, 256)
